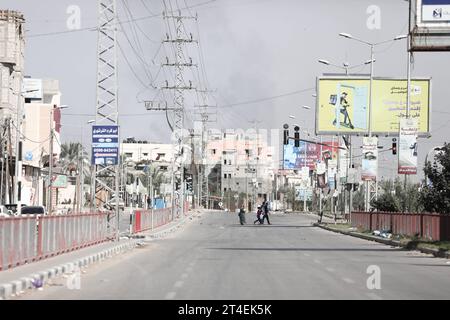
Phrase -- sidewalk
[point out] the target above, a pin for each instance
(16, 280)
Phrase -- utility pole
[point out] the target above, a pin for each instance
(206, 115)
(256, 162)
(179, 87)
(50, 166)
(106, 176)
(18, 163)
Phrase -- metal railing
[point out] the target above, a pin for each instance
(30, 238)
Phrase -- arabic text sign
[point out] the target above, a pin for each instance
(370, 159)
(105, 145)
(343, 105)
(407, 155)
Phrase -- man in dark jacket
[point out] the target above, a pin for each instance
(265, 209)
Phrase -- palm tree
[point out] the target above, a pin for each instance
(71, 156)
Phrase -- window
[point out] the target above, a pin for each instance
(129, 154)
(229, 162)
(247, 152)
(145, 154)
(213, 151)
(225, 176)
(225, 161)
(160, 156)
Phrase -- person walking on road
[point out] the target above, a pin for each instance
(265, 210)
(242, 215)
(258, 215)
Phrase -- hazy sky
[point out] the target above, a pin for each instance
(252, 49)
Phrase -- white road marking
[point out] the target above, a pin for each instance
(306, 254)
(330, 269)
(179, 284)
(348, 280)
(171, 295)
(374, 296)
(317, 261)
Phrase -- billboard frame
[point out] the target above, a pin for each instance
(375, 133)
(425, 36)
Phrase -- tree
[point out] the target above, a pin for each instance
(435, 195)
(72, 154)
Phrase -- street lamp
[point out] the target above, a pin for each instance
(372, 46)
(345, 66)
(50, 160)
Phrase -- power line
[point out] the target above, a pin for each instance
(267, 98)
(94, 28)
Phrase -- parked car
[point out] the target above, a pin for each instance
(13, 207)
(34, 210)
(4, 212)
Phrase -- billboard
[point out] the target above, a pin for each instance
(407, 155)
(429, 25)
(343, 105)
(370, 159)
(105, 145)
(294, 157)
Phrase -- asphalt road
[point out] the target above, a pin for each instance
(214, 257)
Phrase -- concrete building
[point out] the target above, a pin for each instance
(140, 160)
(12, 44)
(246, 167)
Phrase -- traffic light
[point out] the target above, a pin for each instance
(286, 134)
(394, 146)
(297, 137)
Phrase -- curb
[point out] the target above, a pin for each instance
(164, 233)
(434, 252)
(17, 287)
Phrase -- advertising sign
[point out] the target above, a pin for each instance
(407, 153)
(436, 10)
(343, 105)
(370, 159)
(332, 173)
(105, 145)
(294, 158)
(430, 25)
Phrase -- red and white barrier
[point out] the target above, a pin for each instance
(18, 239)
(25, 239)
